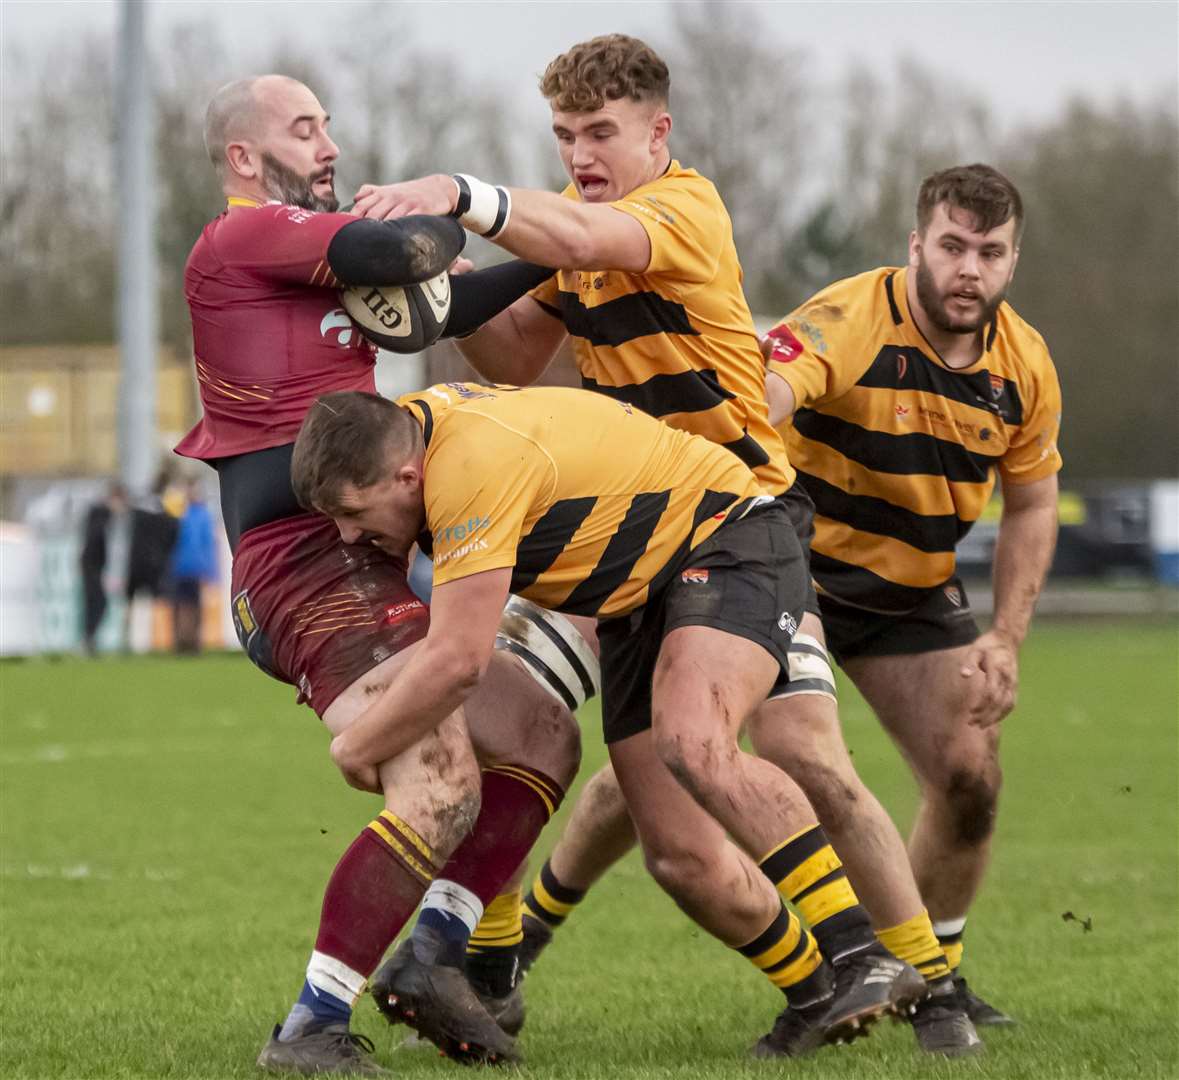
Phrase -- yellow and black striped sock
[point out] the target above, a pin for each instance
(493, 953)
(915, 942)
(549, 900)
(949, 935)
(787, 954)
(807, 873)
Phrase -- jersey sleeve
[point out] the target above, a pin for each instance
(546, 294)
(686, 223)
(481, 480)
(814, 348)
(281, 243)
(1033, 452)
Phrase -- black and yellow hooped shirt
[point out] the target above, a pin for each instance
(899, 451)
(592, 502)
(677, 340)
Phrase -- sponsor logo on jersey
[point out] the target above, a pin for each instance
(784, 346)
(407, 609)
(902, 411)
(297, 215)
(954, 595)
(457, 533)
(458, 552)
(694, 576)
(788, 622)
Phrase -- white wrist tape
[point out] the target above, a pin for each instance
(481, 207)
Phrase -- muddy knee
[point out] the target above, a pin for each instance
(971, 797)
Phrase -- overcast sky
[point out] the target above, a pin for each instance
(1024, 58)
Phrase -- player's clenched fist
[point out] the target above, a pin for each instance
(435, 194)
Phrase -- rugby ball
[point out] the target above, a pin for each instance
(402, 319)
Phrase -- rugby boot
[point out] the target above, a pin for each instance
(942, 1027)
(537, 935)
(439, 1004)
(330, 1051)
(507, 1011)
(868, 985)
(981, 1013)
(796, 1032)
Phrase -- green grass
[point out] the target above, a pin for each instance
(167, 828)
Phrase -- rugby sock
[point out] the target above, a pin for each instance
(517, 803)
(949, 935)
(807, 872)
(550, 901)
(493, 953)
(914, 942)
(370, 896)
(787, 954)
(449, 913)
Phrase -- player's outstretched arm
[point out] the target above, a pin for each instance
(1023, 554)
(536, 225)
(464, 616)
(401, 252)
(517, 345)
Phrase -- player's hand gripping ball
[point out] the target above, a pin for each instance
(402, 319)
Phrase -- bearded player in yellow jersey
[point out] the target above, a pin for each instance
(910, 389)
(661, 323)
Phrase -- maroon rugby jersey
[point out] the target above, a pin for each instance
(269, 334)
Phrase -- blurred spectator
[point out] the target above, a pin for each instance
(153, 535)
(93, 561)
(194, 561)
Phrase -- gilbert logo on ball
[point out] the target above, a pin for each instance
(403, 319)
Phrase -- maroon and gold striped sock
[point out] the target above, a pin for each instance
(372, 892)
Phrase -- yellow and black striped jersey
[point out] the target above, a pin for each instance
(897, 450)
(677, 340)
(592, 502)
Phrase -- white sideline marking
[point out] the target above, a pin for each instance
(86, 872)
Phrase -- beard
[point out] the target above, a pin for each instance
(934, 305)
(291, 189)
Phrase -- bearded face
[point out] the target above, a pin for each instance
(293, 189)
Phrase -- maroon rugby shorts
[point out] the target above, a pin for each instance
(317, 613)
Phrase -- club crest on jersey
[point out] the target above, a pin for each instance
(784, 346)
(337, 322)
(694, 576)
(997, 384)
(788, 622)
(902, 411)
(954, 595)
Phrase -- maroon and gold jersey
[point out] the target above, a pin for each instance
(592, 503)
(898, 451)
(269, 334)
(676, 340)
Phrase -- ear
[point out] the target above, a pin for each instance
(914, 249)
(410, 475)
(660, 130)
(240, 156)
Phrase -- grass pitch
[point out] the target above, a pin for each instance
(168, 826)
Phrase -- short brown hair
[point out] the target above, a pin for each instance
(349, 438)
(605, 68)
(984, 193)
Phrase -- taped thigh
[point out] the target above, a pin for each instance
(553, 651)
